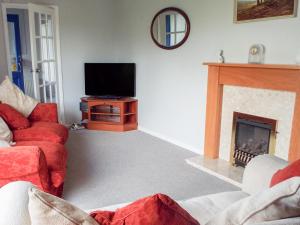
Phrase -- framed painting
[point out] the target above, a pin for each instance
(253, 10)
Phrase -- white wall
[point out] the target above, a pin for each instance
(86, 36)
(171, 85)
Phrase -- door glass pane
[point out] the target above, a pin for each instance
(52, 71)
(37, 24)
(41, 73)
(44, 49)
(43, 25)
(172, 23)
(173, 42)
(49, 26)
(12, 46)
(53, 87)
(38, 49)
(42, 96)
(179, 37)
(50, 48)
(46, 72)
(48, 93)
(180, 23)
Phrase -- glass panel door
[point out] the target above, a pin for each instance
(44, 62)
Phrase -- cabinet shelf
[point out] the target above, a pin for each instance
(110, 115)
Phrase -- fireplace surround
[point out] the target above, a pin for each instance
(269, 77)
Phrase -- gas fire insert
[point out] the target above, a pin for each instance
(252, 136)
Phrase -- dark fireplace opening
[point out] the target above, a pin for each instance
(253, 136)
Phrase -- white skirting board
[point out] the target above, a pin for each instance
(169, 139)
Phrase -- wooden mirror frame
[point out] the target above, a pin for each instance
(188, 28)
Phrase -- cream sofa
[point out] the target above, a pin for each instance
(257, 176)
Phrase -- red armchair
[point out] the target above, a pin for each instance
(39, 155)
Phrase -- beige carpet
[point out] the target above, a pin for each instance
(107, 168)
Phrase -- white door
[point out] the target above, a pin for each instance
(42, 24)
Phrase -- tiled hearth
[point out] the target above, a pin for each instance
(219, 168)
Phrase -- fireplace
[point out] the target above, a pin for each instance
(251, 136)
(284, 78)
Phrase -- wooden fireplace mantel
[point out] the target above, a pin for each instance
(263, 76)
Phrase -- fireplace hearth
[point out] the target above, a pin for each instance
(252, 136)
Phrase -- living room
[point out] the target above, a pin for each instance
(107, 168)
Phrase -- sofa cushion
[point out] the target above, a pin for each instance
(42, 131)
(44, 112)
(289, 171)
(12, 95)
(204, 208)
(48, 209)
(26, 163)
(14, 203)
(5, 132)
(56, 157)
(278, 202)
(259, 171)
(158, 209)
(14, 119)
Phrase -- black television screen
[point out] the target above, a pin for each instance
(110, 79)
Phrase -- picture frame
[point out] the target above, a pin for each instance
(260, 10)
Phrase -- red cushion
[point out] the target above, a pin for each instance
(292, 170)
(44, 112)
(56, 157)
(43, 131)
(14, 119)
(158, 209)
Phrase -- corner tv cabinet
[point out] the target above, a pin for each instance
(110, 114)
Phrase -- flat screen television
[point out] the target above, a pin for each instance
(110, 80)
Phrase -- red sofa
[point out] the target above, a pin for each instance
(39, 155)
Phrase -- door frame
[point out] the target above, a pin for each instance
(13, 18)
(60, 93)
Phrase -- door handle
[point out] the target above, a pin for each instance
(20, 65)
(36, 70)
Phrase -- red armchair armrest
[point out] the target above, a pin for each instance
(44, 112)
(26, 163)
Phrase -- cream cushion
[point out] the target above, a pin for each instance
(13, 96)
(5, 133)
(259, 171)
(278, 202)
(48, 209)
(205, 208)
(14, 203)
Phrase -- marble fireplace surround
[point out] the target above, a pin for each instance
(270, 104)
(284, 78)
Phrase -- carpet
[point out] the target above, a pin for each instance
(106, 168)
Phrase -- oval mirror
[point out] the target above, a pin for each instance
(170, 28)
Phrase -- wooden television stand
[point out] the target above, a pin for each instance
(110, 114)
